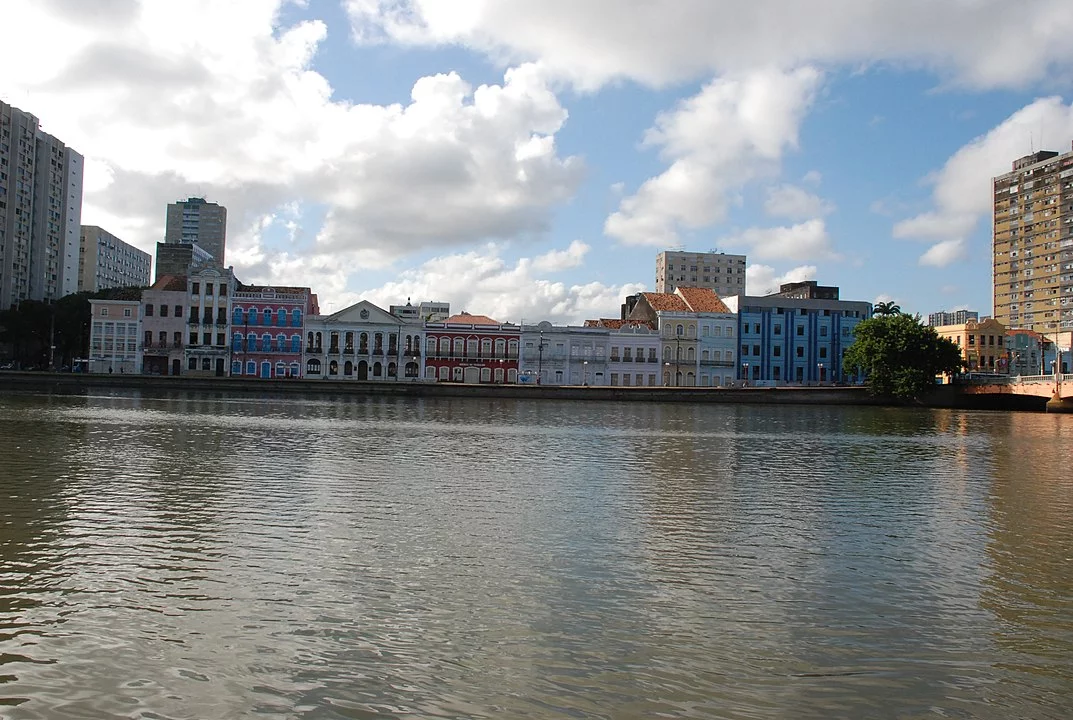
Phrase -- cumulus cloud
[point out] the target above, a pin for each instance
(732, 132)
(219, 99)
(795, 203)
(764, 279)
(556, 260)
(961, 191)
(805, 241)
(597, 41)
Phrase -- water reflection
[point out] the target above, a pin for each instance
(214, 557)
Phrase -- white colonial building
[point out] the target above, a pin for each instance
(363, 342)
(564, 355)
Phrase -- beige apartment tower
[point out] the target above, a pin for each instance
(725, 274)
(1032, 247)
(195, 221)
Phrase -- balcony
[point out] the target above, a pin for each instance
(334, 350)
(315, 349)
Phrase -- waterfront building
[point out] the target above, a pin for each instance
(363, 342)
(634, 352)
(180, 259)
(697, 331)
(1032, 244)
(724, 274)
(105, 261)
(164, 327)
(472, 349)
(195, 221)
(564, 355)
(40, 211)
(785, 338)
(267, 328)
(115, 327)
(954, 317)
(982, 344)
(424, 312)
(209, 292)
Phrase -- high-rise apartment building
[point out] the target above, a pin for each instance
(725, 274)
(199, 222)
(1032, 247)
(40, 211)
(105, 261)
(954, 317)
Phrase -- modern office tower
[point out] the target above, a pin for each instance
(196, 221)
(1032, 244)
(725, 274)
(40, 211)
(105, 261)
(180, 259)
(955, 317)
(425, 312)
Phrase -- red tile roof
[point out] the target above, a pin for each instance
(702, 300)
(465, 317)
(616, 324)
(665, 302)
(169, 282)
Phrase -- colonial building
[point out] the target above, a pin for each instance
(113, 336)
(564, 355)
(786, 338)
(982, 344)
(697, 332)
(267, 327)
(209, 292)
(472, 349)
(164, 326)
(363, 342)
(634, 350)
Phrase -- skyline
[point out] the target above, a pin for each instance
(522, 163)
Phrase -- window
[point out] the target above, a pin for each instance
(778, 351)
(800, 351)
(192, 364)
(206, 364)
(208, 288)
(800, 330)
(823, 331)
(223, 290)
(193, 338)
(126, 312)
(756, 328)
(178, 311)
(823, 353)
(220, 339)
(148, 338)
(196, 289)
(149, 310)
(177, 339)
(744, 350)
(206, 338)
(163, 311)
(777, 329)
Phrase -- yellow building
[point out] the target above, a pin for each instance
(982, 343)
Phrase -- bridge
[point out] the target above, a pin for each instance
(1058, 388)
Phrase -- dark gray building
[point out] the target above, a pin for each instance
(180, 259)
(197, 221)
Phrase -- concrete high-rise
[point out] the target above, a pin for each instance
(196, 221)
(40, 211)
(105, 261)
(1032, 245)
(725, 274)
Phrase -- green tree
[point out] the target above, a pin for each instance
(901, 356)
(887, 308)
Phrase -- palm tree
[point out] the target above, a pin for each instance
(887, 309)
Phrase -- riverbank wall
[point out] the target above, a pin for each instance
(68, 383)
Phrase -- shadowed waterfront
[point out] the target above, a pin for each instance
(215, 557)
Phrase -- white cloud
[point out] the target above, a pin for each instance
(763, 279)
(219, 100)
(943, 253)
(812, 177)
(733, 131)
(597, 41)
(795, 203)
(962, 193)
(805, 241)
(556, 260)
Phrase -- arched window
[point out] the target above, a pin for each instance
(281, 320)
(281, 370)
(236, 367)
(445, 347)
(486, 375)
(457, 374)
(251, 318)
(251, 346)
(392, 370)
(236, 342)
(319, 341)
(691, 379)
(499, 375)
(236, 316)
(460, 346)
(313, 367)
(430, 373)
(378, 344)
(267, 314)
(296, 370)
(691, 354)
(266, 342)
(501, 348)
(378, 369)
(430, 346)
(296, 318)
(333, 367)
(251, 367)
(512, 375)
(445, 373)
(296, 343)
(411, 369)
(680, 330)
(333, 341)
(281, 342)
(512, 351)
(206, 363)
(363, 344)
(486, 348)
(309, 342)
(471, 347)
(348, 368)
(667, 352)
(348, 342)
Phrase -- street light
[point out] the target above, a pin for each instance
(585, 372)
(745, 374)
(819, 372)
(540, 357)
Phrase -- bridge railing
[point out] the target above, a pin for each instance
(1033, 378)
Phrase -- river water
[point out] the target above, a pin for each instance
(210, 557)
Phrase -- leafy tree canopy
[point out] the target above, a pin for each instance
(901, 356)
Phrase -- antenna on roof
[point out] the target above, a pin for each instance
(1031, 143)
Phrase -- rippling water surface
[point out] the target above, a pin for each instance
(213, 557)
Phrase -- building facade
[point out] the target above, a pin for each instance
(268, 325)
(180, 259)
(982, 344)
(564, 355)
(722, 273)
(363, 342)
(209, 292)
(164, 328)
(40, 211)
(954, 317)
(105, 261)
(633, 352)
(472, 349)
(787, 340)
(195, 221)
(424, 312)
(115, 328)
(1032, 244)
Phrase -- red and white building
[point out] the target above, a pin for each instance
(472, 349)
(267, 329)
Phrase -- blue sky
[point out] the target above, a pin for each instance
(529, 160)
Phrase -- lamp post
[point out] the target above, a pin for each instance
(745, 374)
(540, 357)
(667, 373)
(585, 372)
(677, 359)
(819, 373)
